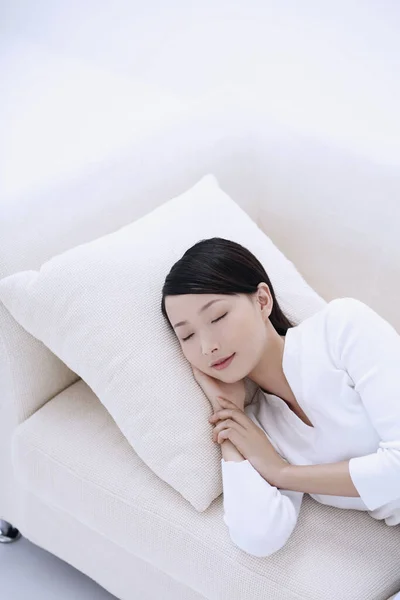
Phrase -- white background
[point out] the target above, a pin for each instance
(81, 78)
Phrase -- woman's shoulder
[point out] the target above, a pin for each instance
(346, 305)
(350, 312)
(336, 316)
(342, 308)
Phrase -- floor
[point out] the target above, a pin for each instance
(29, 571)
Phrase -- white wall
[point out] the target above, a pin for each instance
(71, 69)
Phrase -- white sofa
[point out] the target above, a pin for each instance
(336, 217)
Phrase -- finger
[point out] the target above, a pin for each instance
(222, 413)
(237, 415)
(224, 435)
(226, 402)
(224, 424)
(232, 435)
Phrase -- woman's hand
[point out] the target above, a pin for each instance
(213, 388)
(249, 439)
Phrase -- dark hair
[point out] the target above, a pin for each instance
(220, 266)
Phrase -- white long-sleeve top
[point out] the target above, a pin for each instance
(343, 366)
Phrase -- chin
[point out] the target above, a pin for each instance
(228, 377)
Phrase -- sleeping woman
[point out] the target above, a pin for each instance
(326, 416)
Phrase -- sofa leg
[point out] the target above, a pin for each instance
(8, 533)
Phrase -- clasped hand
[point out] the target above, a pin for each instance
(233, 424)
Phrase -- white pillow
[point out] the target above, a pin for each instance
(97, 307)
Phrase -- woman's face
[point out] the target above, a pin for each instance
(210, 327)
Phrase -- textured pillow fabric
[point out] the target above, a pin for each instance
(98, 308)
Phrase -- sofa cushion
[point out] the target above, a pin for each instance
(71, 454)
(98, 307)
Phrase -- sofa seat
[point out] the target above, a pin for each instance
(71, 454)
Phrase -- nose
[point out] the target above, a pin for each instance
(209, 349)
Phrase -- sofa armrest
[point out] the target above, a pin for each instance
(30, 373)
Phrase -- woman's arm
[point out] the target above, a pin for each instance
(330, 479)
(260, 517)
(368, 348)
(230, 452)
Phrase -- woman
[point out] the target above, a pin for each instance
(326, 420)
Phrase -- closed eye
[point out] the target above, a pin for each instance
(215, 320)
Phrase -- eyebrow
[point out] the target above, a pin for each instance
(200, 311)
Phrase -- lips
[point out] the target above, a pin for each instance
(221, 361)
(225, 363)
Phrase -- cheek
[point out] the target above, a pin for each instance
(245, 338)
(189, 353)
(240, 329)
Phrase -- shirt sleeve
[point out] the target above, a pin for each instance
(260, 517)
(368, 348)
